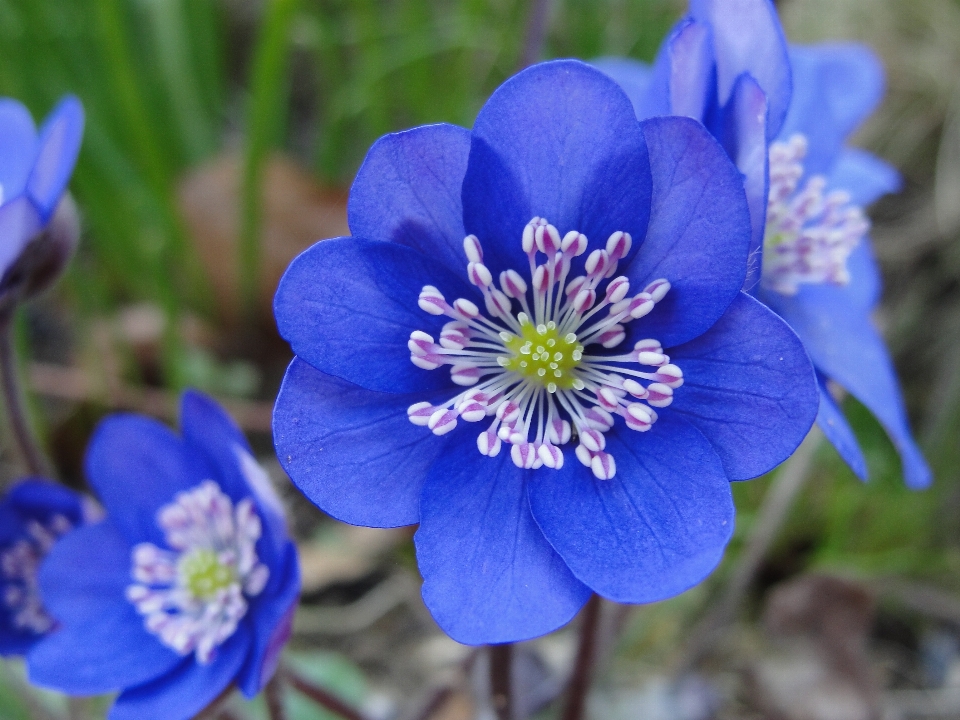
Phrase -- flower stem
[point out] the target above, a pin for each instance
(536, 34)
(273, 694)
(13, 399)
(321, 697)
(582, 669)
(501, 682)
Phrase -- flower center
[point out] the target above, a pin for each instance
(809, 234)
(193, 596)
(18, 574)
(204, 575)
(527, 364)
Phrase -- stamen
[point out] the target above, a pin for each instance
(526, 364)
(193, 596)
(809, 235)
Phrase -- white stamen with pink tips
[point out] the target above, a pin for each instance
(809, 234)
(193, 596)
(526, 362)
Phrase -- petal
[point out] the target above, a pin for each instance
(40, 499)
(865, 284)
(353, 452)
(102, 645)
(489, 576)
(690, 59)
(18, 147)
(699, 231)
(408, 191)
(347, 306)
(271, 616)
(835, 88)
(747, 377)
(745, 120)
(845, 346)
(657, 528)
(559, 141)
(840, 434)
(866, 177)
(183, 693)
(19, 223)
(57, 150)
(137, 465)
(208, 431)
(748, 38)
(633, 77)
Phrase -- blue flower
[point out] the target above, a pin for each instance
(811, 260)
(35, 167)
(570, 279)
(33, 515)
(188, 585)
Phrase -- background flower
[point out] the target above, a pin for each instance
(33, 516)
(509, 551)
(229, 587)
(766, 94)
(35, 167)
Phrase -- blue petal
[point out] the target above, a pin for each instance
(840, 434)
(408, 191)
(489, 576)
(687, 62)
(559, 141)
(699, 232)
(865, 284)
(102, 645)
(748, 38)
(844, 346)
(353, 452)
(747, 377)
(19, 223)
(211, 433)
(137, 465)
(57, 150)
(183, 693)
(835, 88)
(742, 131)
(866, 177)
(39, 499)
(657, 528)
(271, 615)
(18, 147)
(632, 76)
(347, 306)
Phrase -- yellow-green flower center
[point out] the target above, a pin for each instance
(204, 575)
(541, 353)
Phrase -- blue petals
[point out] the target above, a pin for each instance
(633, 77)
(835, 88)
(19, 223)
(699, 232)
(747, 377)
(866, 177)
(684, 71)
(18, 137)
(657, 528)
(748, 38)
(559, 141)
(408, 191)
(183, 693)
(347, 306)
(489, 576)
(57, 148)
(353, 452)
(838, 431)
(102, 645)
(845, 347)
(133, 454)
